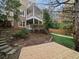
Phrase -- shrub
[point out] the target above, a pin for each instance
(23, 33)
(53, 25)
(26, 31)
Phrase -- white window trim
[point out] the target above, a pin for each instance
(21, 22)
(23, 14)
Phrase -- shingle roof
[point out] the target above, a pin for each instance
(48, 51)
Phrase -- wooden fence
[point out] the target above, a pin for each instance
(59, 31)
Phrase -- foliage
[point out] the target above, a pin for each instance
(47, 19)
(13, 6)
(8, 6)
(2, 17)
(55, 25)
(4, 22)
(68, 42)
(21, 33)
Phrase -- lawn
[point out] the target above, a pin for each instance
(64, 40)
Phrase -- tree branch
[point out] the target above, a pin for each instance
(58, 3)
(63, 2)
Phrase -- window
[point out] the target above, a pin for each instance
(76, 1)
(23, 23)
(28, 12)
(36, 21)
(22, 13)
(40, 22)
(20, 23)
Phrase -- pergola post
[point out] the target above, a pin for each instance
(33, 21)
(38, 22)
(25, 24)
(33, 14)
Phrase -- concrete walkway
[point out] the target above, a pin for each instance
(48, 51)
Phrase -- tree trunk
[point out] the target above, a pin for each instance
(15, 25)
(77, 24)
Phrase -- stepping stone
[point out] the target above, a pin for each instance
(3, 47)
(13, 50)
(6, 50)
(2, 39)
(2, 44)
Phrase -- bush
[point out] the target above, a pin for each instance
(26, 31)
(54, 25)
(23, 33)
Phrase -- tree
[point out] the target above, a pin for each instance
(2, 14)
(2, 6)
(68, 19)
(76, 21)
(77, 24)
(8, 6)
(47, 19)
(13, 6)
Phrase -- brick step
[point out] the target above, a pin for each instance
(6, 50)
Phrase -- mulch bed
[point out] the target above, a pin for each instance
(33, 39)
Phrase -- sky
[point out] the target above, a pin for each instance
(55, 15)
(59, 8)
(46, 2)
(41, 5)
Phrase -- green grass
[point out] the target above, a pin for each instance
(68, 42)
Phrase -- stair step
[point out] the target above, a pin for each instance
(7, 50)
(4, 47)
(3, 34)
(2, 41)
(2, 44)
(13, 50)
